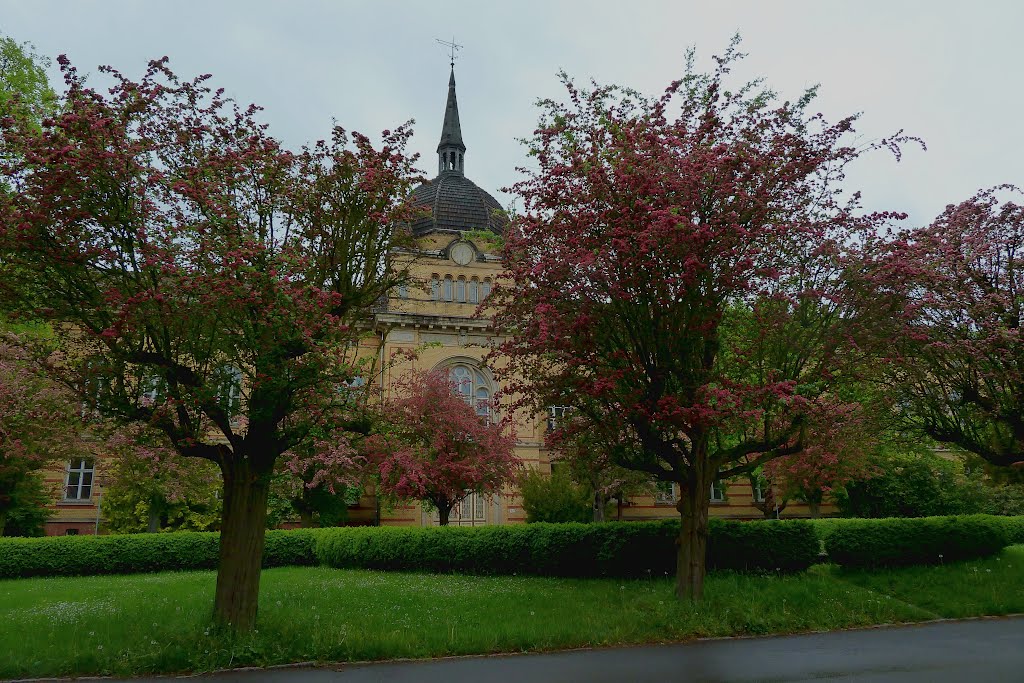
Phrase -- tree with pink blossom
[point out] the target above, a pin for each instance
(956, 353)
(201, 279)
(434, 447)
(685, 274)
(39, 426)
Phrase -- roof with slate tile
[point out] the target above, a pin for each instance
(456, 203)
(451, 201)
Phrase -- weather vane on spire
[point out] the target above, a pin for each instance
(452, 47)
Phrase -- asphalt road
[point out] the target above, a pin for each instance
(972, 651)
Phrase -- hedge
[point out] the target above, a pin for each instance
(610, 549)
(1014, 528)
(908, 541)
(130, 553)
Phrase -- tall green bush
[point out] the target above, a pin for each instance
(554, 498)
(916, 483)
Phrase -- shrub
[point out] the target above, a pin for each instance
(131, 553)
(913, 484)
(1014, 529)
(929, 540)
(574, 549)
(554, 498)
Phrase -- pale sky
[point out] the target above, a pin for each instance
(948, 72)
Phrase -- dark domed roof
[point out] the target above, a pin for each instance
(456, 203)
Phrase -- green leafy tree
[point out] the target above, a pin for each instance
(25, 91)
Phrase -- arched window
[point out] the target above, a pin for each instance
(435, 289)
(474, 292)
(485, 289)
(460, 290)
(473, 387)
(447, 287)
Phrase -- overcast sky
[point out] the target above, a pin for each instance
(947, 71)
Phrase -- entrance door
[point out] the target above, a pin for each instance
(472, 511)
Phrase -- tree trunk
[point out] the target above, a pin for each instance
(815, 508)
(693, 539)
(3, 521)
(599, 503)
(306, 519)
(442, 515)
(241, 544)
(153, 525)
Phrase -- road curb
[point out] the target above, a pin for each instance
(344, 665)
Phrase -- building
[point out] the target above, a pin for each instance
(453, 271)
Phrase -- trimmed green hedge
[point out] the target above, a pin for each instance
(610, 549)
(1014, 529)
(922, 540)
(131, 553)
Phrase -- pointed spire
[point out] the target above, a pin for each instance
(451, 149)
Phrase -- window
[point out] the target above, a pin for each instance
(664, 493)
(460, 290)
(473, 388)
(403, 290)
(78, 483)
(229, 389)
(71, 532)
(485, 289)
(474, 293)
(482, 403)
(447, 287)
(717, 492)
(351, 392)
(555, 415)
(154, 390)
(435, 289)
(760, 487)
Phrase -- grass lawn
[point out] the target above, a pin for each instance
(159, 622)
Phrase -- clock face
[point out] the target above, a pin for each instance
(462, 253)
